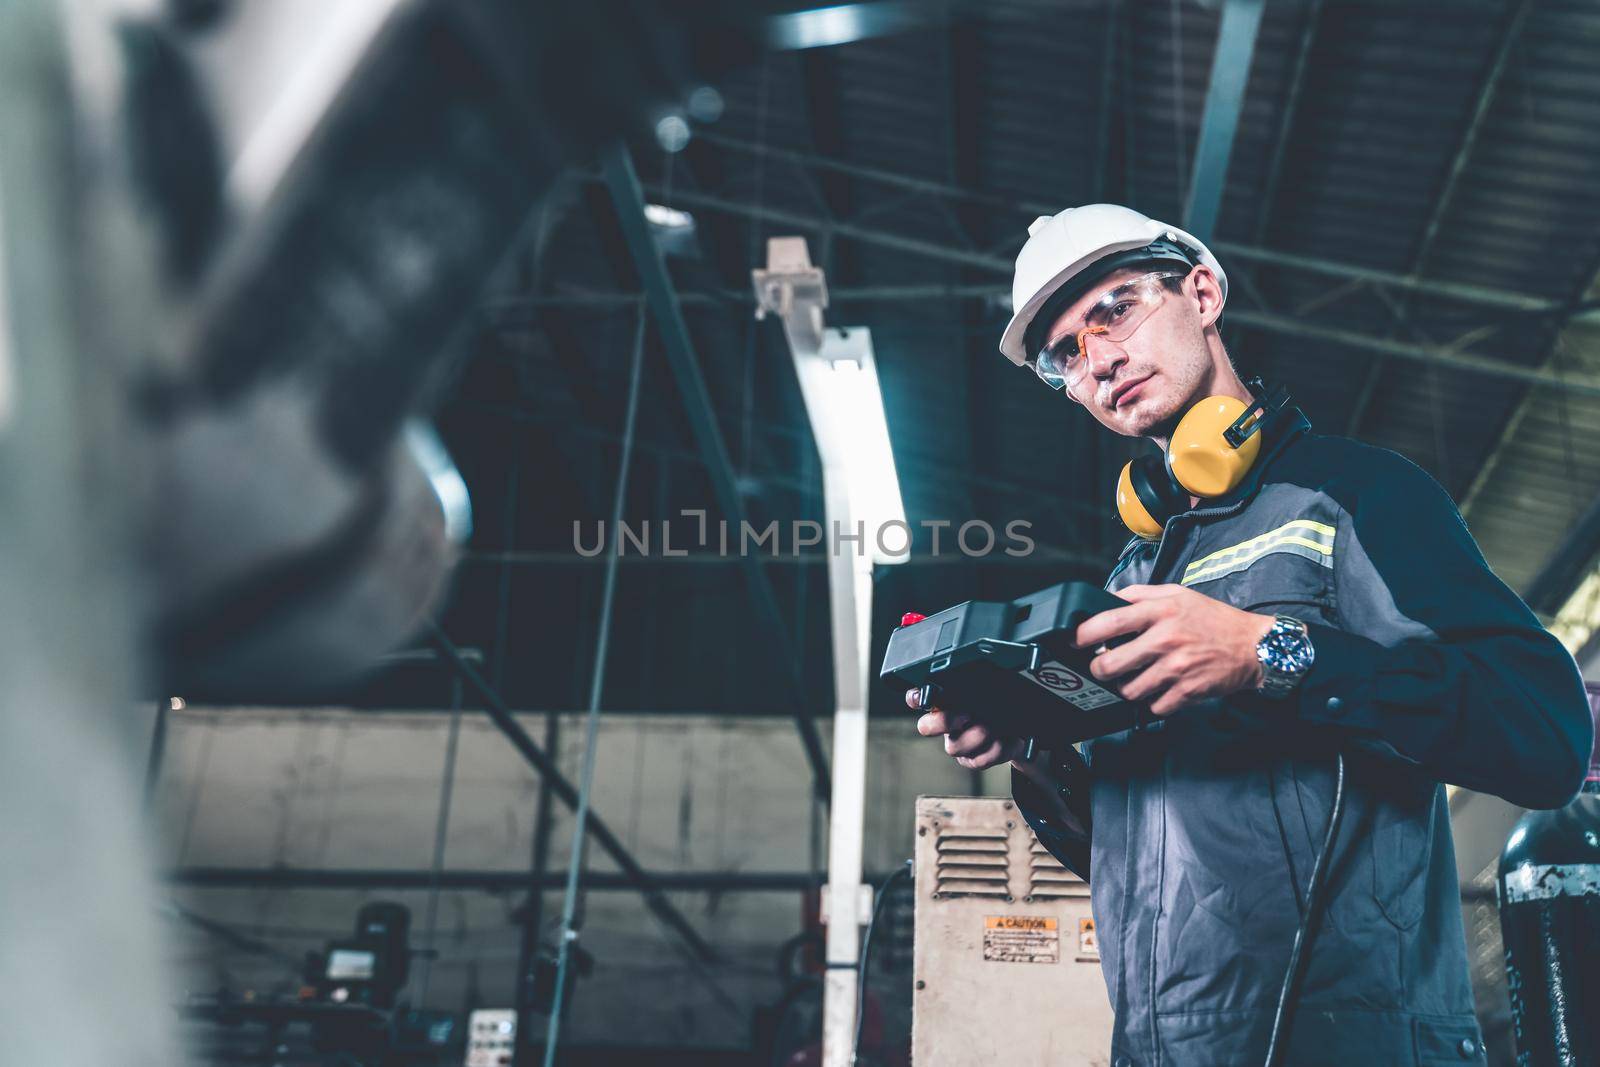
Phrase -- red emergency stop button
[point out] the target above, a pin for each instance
(911, 618)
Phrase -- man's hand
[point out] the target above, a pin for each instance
(973, 744)
(1189, 647)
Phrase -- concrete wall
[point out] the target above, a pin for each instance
(339, 789)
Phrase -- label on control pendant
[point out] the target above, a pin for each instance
(1070, 686)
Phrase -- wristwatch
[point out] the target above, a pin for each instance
(1286, 655)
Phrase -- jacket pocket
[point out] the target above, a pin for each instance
(1402, 846)
(1446, 1042)
(1226, 908)
(1303, 801)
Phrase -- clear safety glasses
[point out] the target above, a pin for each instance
(1116, 315)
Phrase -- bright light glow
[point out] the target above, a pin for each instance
(445, 479)
(332, 49)
(672, 133)
(818, 29)
(705, 104)
(1579, 617)
(841, 24)
(846, 408)
(668, 218)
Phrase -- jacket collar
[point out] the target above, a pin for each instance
(1290, 425)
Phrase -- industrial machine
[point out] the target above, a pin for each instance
(1004, 935)
(370, 967)
(1549, 891)
(491, 1037)
(349, 1007)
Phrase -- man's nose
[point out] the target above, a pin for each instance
(1104, 357)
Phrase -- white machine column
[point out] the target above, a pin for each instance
(847, 901)
(839, 381)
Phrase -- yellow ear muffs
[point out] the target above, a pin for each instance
(1200, 458)
(1200, 461)
(1134, 512)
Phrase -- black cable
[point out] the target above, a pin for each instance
(1307, 932)
(904, 869)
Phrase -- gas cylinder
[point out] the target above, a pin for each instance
(1549, 890)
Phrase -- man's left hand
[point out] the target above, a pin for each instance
(1189, 647)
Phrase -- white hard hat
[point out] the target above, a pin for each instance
(1099, 236)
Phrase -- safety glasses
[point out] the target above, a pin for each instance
(1116, 315)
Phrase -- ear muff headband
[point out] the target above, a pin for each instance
(1147, 495)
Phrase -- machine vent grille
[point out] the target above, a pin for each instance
(972, 863)
(1048, 880)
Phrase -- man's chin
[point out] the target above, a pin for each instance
(1146, 418)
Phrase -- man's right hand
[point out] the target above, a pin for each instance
(973, 744)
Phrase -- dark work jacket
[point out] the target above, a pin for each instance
(1204, 826)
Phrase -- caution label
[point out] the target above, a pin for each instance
(1088, 942)
(1070, 686)
(1021, 939)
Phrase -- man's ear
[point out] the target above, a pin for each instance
(1207, 294)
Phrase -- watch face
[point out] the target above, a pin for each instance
(1287, 651)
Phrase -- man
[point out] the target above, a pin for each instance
(1332, 602)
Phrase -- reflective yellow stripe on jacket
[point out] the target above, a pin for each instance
(1302, 537)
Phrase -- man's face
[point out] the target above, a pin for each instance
(1140, 386)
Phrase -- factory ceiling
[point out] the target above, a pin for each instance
(1410, 220)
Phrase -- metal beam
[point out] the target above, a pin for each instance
(819, 82)
(1271, 322)
(637, 877)
(1110, 103)
(628, 198)
(490, 881)
(1291, 110)
(837, 228)
(963, 133)
(1497, 299)
(227, 934)
(158, 751)
(486, 880)
(894, 179)
(1567, 564)
(1043, 558)
(1230, 75)
(1487, 90)
(1240, 343)
(1028, 491)
(1582, 384)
